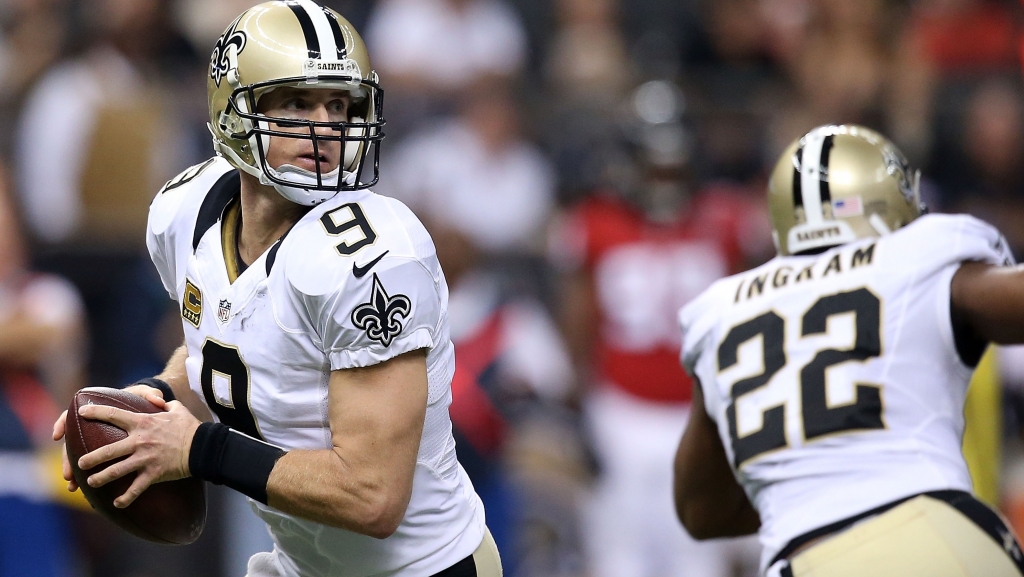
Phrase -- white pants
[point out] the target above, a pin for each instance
(630, 524)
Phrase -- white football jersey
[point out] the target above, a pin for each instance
(834, 379)
(355, 282)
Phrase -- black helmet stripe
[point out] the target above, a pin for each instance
(308, 30)
(339, 40)
(812, 175)
(826, 150)
(798, 194)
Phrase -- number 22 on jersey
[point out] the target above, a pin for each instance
(818, 416)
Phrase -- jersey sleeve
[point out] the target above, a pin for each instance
(949, 240)
(160, 238)
(929, 255)
(394, 309)
(172, 219)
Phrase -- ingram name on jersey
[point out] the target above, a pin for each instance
(355, 282)
(834, 379)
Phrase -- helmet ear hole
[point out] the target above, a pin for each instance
(353, 148)
(359, 109)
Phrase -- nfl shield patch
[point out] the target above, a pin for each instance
(224, 311)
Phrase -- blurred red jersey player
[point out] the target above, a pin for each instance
(636, 256)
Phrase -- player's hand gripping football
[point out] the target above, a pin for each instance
(158, 444)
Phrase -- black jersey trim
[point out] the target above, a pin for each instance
(464, 568)
(227, 187)
(272, 253)
(308, 30)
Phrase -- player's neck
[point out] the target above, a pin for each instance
(266, 217)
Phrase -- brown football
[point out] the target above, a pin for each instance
(172, 513)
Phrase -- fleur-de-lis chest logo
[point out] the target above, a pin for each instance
(219, 61)
(382, 317)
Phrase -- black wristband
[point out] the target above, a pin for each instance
(223, 456)
(158, 384)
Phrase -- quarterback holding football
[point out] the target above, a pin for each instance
(317, 346)
(829, 412)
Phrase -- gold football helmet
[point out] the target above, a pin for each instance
(300, 44)
(838, 184)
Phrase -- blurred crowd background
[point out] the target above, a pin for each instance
(585, 167)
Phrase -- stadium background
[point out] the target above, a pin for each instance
(503, 116)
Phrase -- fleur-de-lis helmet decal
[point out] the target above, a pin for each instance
(382, 317)
(220, 61)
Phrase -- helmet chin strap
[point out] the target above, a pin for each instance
(298, 193)
(300, 176)
(301, 182)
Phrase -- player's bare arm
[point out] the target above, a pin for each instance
(176, 377)
(364, 482)
(709, 501)
(989, 300)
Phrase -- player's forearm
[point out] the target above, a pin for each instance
(322, 486)
(711, 504)
(175, 375)
(364, 482)
(991, 300)
(716, 514)
(709, 501)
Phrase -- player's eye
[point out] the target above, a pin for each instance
(337, 106)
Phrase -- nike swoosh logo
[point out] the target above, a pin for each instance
(360, 271)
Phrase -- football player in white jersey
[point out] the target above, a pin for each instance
(832, 378)
(315, 318)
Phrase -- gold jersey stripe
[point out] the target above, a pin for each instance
(229, 238)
